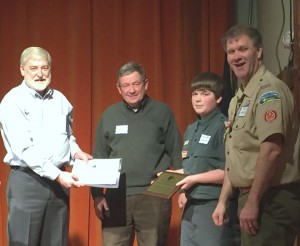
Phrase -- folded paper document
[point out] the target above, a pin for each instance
(98, 172)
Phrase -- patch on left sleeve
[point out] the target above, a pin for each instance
(270, 115)
(268, 97)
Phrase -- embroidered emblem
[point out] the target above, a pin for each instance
(268, 97)
(184, 154)
(186, 142)
(270, 115)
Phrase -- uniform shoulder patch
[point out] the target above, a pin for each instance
(270, 115)
(268, 97)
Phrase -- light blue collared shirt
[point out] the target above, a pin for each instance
(37, 131)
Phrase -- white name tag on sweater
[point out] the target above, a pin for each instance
(123, 129)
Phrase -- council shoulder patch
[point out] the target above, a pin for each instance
(270, 115)
(268, 97)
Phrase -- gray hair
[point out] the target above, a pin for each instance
(129, 68)
(32, 52)
(239, 30)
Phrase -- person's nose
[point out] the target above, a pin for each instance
(132, 89)
(39, 73)
(199, 98)
(237, 55)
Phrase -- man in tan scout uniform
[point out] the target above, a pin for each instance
(262, 147)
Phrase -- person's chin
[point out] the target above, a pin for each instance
(132, 102)
(240, 72)
(40, 88)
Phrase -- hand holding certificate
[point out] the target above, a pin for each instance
(165, 185)
(103, 173)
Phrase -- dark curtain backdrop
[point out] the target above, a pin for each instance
(88, 41)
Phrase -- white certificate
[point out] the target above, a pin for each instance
(98, 172)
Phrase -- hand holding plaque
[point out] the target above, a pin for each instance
(165, 185)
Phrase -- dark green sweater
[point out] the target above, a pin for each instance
(147, 141)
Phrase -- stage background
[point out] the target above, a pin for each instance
(89, 40)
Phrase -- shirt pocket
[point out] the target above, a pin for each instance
(240, 133)
(59, 124)
(238, 125)
(211, 149)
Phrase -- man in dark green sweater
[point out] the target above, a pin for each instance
(144, 133)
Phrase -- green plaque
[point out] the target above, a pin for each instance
(165, 185)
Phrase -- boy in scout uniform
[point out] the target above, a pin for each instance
(261, 146)
(203, 159)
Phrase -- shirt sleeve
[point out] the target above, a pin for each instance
(73, 146)
(270, 114)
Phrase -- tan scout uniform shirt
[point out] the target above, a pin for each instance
(263, 108)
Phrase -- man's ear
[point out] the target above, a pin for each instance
(146, 84)
(22, 70)
(118, 87)
(219, 99)
(259, 53)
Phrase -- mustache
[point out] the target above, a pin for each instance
(40, 80)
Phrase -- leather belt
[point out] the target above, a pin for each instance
(200, 201)
(28, 169)
(244, 190)
(20, 168)
(293, 185)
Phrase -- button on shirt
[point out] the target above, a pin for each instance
(265, 107)
(37, 131)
